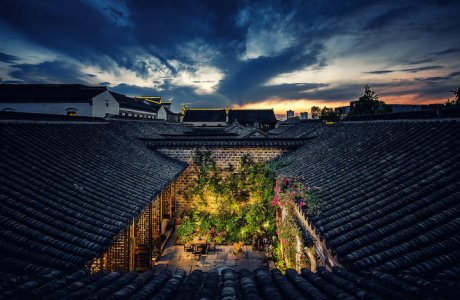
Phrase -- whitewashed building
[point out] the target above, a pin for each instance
(164, 113)
(58, 99)
(136, 107)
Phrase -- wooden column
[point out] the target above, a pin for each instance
(170, 194)
(151, 262)
(132, 245)
(155, 223)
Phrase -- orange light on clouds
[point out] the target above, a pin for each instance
(281, 106)
(410, 99)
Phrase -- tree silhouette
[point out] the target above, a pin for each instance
(315, 112)
(369, 103)
(328, 114)
(456, 100)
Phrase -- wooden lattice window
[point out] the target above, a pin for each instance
(118, 253)
(142, 233)
(142, 229)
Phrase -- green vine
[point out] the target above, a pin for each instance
(289, 193)
(242, 198)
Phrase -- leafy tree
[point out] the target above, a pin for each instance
(329, 115)
(456, 100)
(315, 112)
(369, 103)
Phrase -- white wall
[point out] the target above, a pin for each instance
(98, 108)
(162, 115)
(82, 109)
(137, 113)
(103, 104)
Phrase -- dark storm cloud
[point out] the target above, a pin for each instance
(50, 71)
(345, 92)
(432, 80)
(410, 70)
(9, 59)
(116, 36)
(293, 91)
(390, 16)
(445, 52)
(248, 80)
(426, 68)
(380, 72)
(420, 61)
(180, 95)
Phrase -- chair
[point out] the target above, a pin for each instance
(200, 250)
(188, 247)
(212, 247)
(237, 248)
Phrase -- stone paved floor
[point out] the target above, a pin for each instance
(174, 257)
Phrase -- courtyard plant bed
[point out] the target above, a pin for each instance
(289, 248)
(248, 204)
(229, 205)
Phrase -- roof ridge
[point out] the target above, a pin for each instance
(456, 119)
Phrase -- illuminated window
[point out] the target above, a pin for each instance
(71, 112)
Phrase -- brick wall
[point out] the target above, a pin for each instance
(222, 156)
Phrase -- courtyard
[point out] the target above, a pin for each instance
(175, 257)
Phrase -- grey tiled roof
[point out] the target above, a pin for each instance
(204, 115)
(301, 130)
(229, 284)
(145, 129)
(391, 192)
(48, 92)
(246, 116)
(134, 103)
(67, 189)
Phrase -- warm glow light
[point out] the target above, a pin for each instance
(281, 106)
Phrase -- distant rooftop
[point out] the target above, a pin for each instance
(29, 93)
(205, 115)
(135, 103)
(452, 112)
(153, 99)
(243, 116)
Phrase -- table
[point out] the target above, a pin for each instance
(200, 241)
(197, 241)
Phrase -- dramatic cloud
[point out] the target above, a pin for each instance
(6, 58)
(50, 72)
(380, 72)
(114, 11)
(426, 68)
(285, 54)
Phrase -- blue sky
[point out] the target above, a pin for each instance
(270, 54)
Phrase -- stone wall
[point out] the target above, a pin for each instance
(223, 157)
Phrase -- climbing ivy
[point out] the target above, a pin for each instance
(242, 195)
(290, 192)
